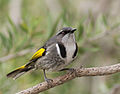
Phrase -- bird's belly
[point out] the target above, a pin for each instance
(50, 62)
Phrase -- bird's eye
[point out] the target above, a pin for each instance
(63, 32)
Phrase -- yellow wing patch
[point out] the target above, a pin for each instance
(39, 53)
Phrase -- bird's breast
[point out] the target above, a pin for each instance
(70, 49)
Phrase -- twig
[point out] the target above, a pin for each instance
(10, 56)
(95, 71)
(15, 11)
(103, 34)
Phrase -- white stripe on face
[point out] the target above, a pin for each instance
(58, 49)
(61, 51)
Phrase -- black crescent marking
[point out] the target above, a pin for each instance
(76, 50)
(11, 74)
(62, 50)
(27, 69)
(43, 54)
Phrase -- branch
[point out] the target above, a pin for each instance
(80, 72)
(103, 34)
(11, 56)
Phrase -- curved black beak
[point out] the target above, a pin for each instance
(74, 29)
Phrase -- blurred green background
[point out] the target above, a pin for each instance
(26, 24)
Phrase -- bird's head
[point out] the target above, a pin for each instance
(66, 30)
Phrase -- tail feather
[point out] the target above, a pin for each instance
(19, 71)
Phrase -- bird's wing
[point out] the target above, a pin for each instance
(42, 51)
(39, 53)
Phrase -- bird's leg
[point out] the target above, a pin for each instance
(45, 77)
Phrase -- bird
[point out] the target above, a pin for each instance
(57, 53)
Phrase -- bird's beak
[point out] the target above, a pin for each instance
(74, 29)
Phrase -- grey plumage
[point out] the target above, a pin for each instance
(59, 52)
(51, 61)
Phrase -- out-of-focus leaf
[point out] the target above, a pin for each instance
(89, 29)
(5, 42)
(80, 29)
(12, 26)
(115, 25)
(24, 27)
(114, 79)
(22, 43)
(3, 39)
(117, 40)
(10, 34)
(64, 18)
(30, 45)
(53, 29)
(10, 39)
(100, 26)
(81, 50)
(105, 20)
(94, 48)
(50, 22)
(39, 34)
(35, 23)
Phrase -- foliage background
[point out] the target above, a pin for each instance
(26, 24)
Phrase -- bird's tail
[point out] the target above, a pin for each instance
(20, 71)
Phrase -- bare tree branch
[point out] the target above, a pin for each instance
(10, 56)
(80, 72)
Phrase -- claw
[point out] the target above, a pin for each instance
(48, 80)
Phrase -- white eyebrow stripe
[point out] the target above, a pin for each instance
(59, 32)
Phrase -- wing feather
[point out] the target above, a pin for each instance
(38, 53)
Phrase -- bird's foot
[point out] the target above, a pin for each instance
(49, 81)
